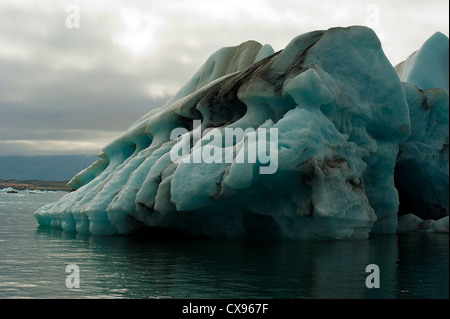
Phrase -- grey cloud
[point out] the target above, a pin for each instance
(79, 85)
(63, 83)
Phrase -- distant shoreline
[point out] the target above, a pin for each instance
(35, 185)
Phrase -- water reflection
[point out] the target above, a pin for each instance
(33, 262)
(424, 266)
(140, 268)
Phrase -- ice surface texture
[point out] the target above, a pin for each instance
(340, 113)
(422, 171)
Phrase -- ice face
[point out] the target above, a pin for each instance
(412, 223)
(321, 124)
(427, 67)
(422, 171)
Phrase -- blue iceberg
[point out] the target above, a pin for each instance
(422, 171)
(297, 144)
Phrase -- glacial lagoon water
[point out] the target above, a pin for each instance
(33, 264)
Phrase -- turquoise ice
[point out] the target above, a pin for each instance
(340, 112)
(422, 170)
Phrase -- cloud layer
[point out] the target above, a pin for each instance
(72, 90)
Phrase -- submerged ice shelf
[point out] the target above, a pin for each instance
(320, 126)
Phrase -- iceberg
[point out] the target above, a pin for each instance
(9, 190)
(427, 67)
(422, 170)
(297, 144)
(412, 223)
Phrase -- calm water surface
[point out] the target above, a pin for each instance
(33, 263)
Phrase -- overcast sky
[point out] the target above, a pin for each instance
(72, 90)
